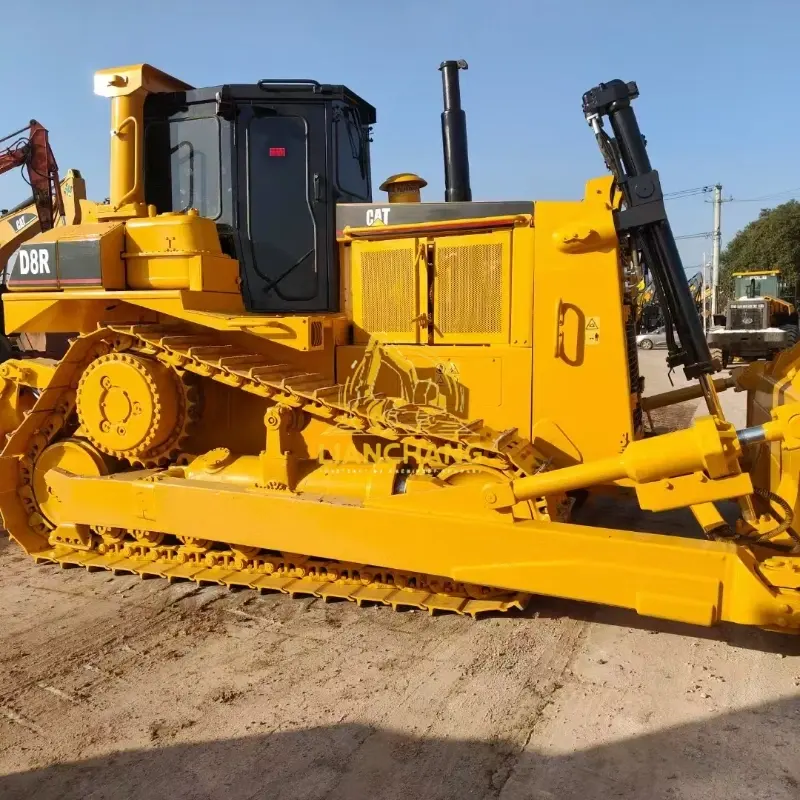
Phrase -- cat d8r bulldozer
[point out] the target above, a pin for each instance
(282, 384)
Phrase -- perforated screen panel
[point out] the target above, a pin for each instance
(469, 289)
(388, 294)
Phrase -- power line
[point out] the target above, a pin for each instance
(688, 192)
(704, 235)
(693, 268)
(764, 197)
(699, 190)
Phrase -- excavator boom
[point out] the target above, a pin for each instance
(30, 148)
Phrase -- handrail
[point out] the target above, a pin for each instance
(444, 225)
(559, 325)
(137, 159)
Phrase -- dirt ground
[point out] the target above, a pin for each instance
(114, 687)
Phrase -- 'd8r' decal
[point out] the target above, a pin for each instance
(34, 261)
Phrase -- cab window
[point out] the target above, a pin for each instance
(352, 164)
(183, 165)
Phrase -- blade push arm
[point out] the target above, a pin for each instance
(645, 219)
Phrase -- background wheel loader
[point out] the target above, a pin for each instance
(759, 321)
(283, 384)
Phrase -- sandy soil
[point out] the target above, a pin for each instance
(114, 687)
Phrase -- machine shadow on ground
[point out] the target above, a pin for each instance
(737, 755)
(739, 636)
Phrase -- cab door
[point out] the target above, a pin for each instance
(285, 208)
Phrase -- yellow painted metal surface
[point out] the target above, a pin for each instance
(17, 378)
(661, 576)
(468, 287)
(709, 447)
(443, 227)
(471, 383)
(74, 456)
(404, 187)
(772, 387)
(131, 407)
(127, 87)
(84, 310)
(79, 311)
(177, 251)
(580, 360)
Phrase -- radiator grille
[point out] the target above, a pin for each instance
(469, 289)
(749, 317)
(387, 290)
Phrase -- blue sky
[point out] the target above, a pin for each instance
(718, 82)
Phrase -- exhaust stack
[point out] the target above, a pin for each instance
(454, 135)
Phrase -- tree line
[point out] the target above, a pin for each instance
(771, 241)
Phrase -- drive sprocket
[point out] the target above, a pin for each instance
(134, 408)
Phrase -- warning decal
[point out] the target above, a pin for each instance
(593, 330)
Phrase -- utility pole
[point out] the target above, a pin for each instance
(716, 241)
(704, 294)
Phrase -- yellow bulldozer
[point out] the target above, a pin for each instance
(280, 383)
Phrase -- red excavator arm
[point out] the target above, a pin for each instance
(31, 149)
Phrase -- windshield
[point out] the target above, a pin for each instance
(755, 285)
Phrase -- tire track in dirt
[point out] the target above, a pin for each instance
(83, 639)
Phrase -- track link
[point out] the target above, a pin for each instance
(146, 553)
(331, 581)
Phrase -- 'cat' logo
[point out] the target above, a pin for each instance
(21, 221)
(34, 262)
(378, 216)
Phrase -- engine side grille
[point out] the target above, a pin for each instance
(387, 290)
(469, 289)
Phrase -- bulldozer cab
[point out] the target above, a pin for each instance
(267, 162)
